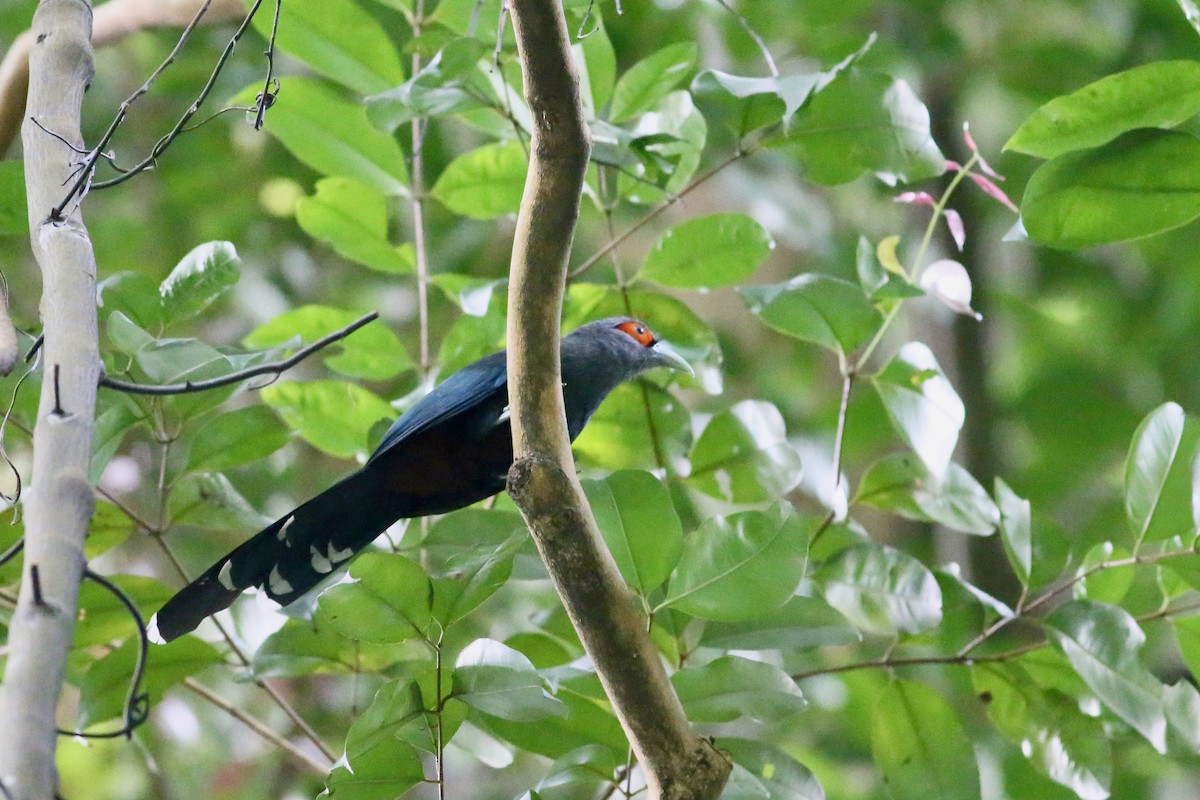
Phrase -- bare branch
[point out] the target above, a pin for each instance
(273, 368)
(677, 763)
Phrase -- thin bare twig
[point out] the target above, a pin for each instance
(273, 368)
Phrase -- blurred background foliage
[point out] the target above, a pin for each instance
(1074, 348)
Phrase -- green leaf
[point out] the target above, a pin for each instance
(585, 723)
(730, 688)
(14, 210)
(1015, 530)
(920, 746)
(902, 484)
(1070, 748)
(312, 647)
(399, 712)
(1161, 94)
(333, 416)
(449, 84)
(782, 776)
(649, 80)
(127, 335)
(746, 104)
(743, 455)
(389, 599)
(1102, 644)
(716, 250)
(331, 134)
(203, 275)
(816, 308)
(373, 351)
(1142, 183)
(134, 294)
(1187, 633)
(111, 426)
(472, 576)
(660, 156)
(341, 41)
(618, 435)
(881, 590)
(237, 437)
(103, 688)
(108, 527)
(103, 618)
(485, 183)
(599, 67)
(209, 501)
(866, 122)
(473, 295)
(1158, 475)
(1107, 585)
(497, 680)
(800, 623)
(740, 566)
(383, 773)
(180, 360)
(922, 405)
(639, 525)
(352, 218)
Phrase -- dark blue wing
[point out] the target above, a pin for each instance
(472, 386)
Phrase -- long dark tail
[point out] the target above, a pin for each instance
(291, 555)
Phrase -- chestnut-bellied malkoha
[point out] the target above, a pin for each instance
(453, 448)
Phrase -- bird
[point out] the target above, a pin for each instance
(453, 448)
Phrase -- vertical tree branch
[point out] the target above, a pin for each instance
(677, 763)
(59, 501)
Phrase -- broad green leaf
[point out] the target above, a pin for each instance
(901, 483)
(800, 623)
(585, 723)
(14, 212)
(1161, 94)
(450, 83)
(586, 771)
(619, 436)
(112, 424)
(663, 150)
(881, 590)
(597, 63)
(135, 295)
(469, 577)
(352, 218)
(181, 360)
(333, 416)
(388, 599)
(1015, 530)
(208, 500)
(108, 527)
(1182, 704)
(866, 122)
(383, 773)
(340, 40)
(331, 134)
(1102, 643)
(128, 336)
(485, 183)
(649, 80)
(497, 680)
(782, 776)
(373, 351)
(716, 250)
(922, 405)
(743, 455)
(312, 647)
(397, 712)
(746, 104)
(639, 525)
(472, 295)
(204, 274)
(1142, 183)
(731, 688)
(816, 308)
(1187, 633)
(740, 566)
(1108, 585)
(238, 437)
(1070, 748)
(1158, 475)
(668, 317)
(105, 685)
(103, 618)
(920, 746)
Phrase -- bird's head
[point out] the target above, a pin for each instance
(625, 343)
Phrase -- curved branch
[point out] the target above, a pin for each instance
(677, 763)
(273, 368)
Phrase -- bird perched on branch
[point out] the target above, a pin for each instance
(453, 448)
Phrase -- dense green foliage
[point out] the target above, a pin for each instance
(888, 549)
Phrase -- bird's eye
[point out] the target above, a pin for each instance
(639, 332)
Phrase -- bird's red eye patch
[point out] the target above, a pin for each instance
(640, 333)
